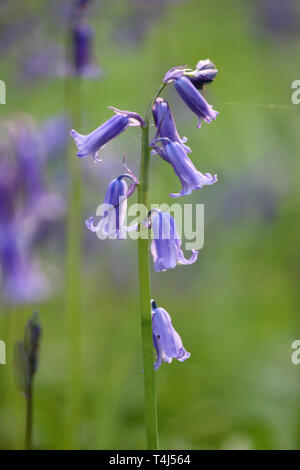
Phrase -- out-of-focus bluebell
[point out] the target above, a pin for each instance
(165, 124)
(53, 135)
(42, 62)
(32, 153)
(27, 209)
(190, 177)
(8, 189)
(91, 144)
(82, 51)
(23, 280)
(81, 61)
(26, 355)
(166, 340)
(166, 245)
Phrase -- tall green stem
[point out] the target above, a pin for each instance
(145, 291)
(29, 418)
(73, 262)
(145, 298)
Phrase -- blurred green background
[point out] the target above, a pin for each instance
(237, 308)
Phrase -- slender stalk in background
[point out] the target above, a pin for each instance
(29, 418)
(73, 255)
(145, 291)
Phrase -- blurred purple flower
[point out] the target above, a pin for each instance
(42, 63)
(23, 280)
(32, 150)
(165, 247)
(8, 189)
(82, 44)
(53, 135)
(190, 177)
(27, 207)
(166, 340)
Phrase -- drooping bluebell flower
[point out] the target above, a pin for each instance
(91, 144)
(166, 340)
(205, 72)
(165, 123)
(194, 100)
(114, 209)
(190, 177)
(166, 245)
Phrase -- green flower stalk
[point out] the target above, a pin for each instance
(156, 326)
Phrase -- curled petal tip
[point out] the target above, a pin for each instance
(135, 118)
(89, 223)
(175, 72)
(191, 260)
(132, 175)
(96, 159)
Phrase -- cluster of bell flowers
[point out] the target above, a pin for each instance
(166, 143)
